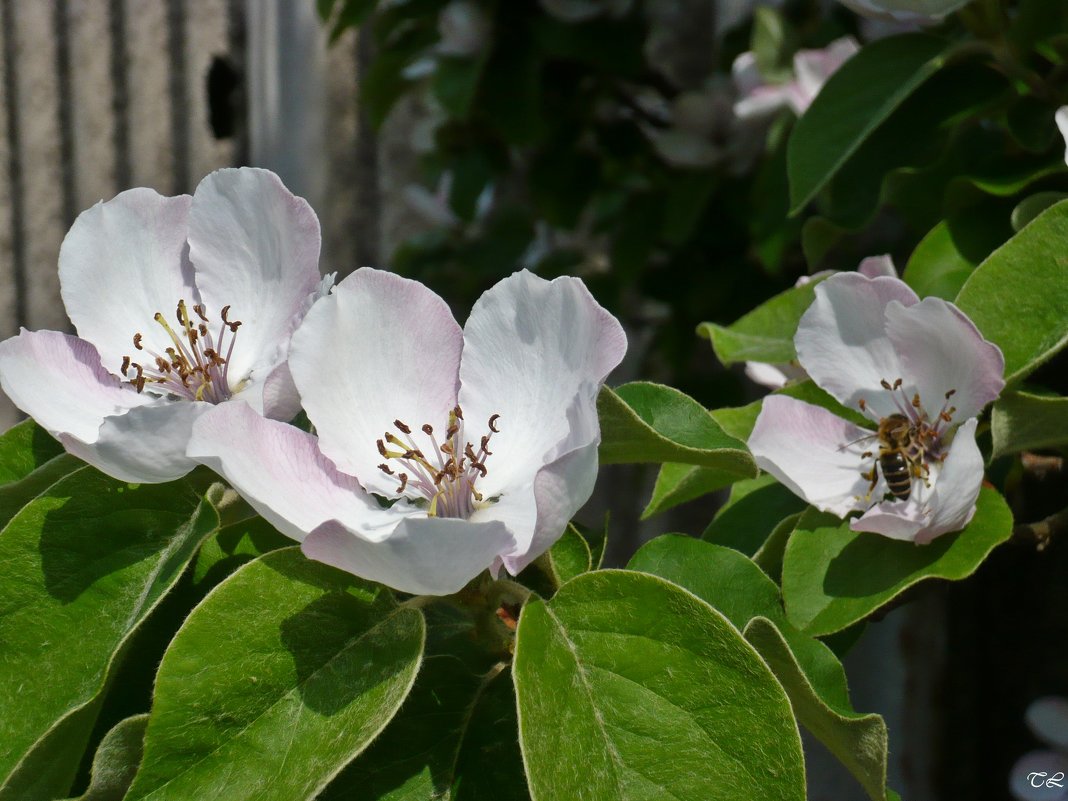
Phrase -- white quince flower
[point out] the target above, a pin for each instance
(482, 440)
(922, 365)
(757, 98)
(180, 303)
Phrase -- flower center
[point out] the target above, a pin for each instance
(909, 441)
(193, 367)
(442, 476)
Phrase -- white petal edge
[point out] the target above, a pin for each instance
(1061, 118)
(122, 261)
(280, 471)
(814, 453)
(145, 445)
(255, 247)
(379, 348)
(58, 380)
(422, 556)
(842, 341)
(535, 352)
(942, 350)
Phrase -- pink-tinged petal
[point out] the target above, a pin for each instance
(536, 353)
(58, 380)
(956, 489)
(1048, 720)
(423, 556)
(875, 266)
(121, 262)
(898, 520)
(280, 471)
(560, 490)
(916, 12)
(1061, 118)
(255, 247)
(815, 453)
(379, 348)
(145, 445)
(745, 72)
(1038, 767)
(814, 67)
(763, 101)
(842, 341)
(942, 350)
(280, 398)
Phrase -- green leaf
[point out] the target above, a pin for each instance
(85, 562)
(807, 669)
(284, 673)
(679, 483)
(353, 13)
(455, 83)
(1017, 297)
(644, 422)
(753, 510)
(833, 577)
(116, 760)
(1022, 421)
(765, 334)
(232, 546)
(853, 103)
(860, 741)
(570, 556)
(630, 687)
(25, 447)
(937, 267)
(30, 461)
(455, 739)
(1033, 205)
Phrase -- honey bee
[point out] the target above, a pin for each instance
(901, 455)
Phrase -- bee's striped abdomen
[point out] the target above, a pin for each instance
(896, 471)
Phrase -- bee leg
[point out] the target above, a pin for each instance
(873, 477)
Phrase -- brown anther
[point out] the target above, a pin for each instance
(492, 423)
(863, 404)
(199, 309)
(469, 452)
(946, 417)
(402, 427)
(477, 495)
(484, 443)
(866, 455)
(897, 383)
(412, 455)
(481, 468)
(385, 469)
(451, 432)
(428, 429)
(203, 330)
(137, 342)
(458, 412)
(403, 481)
(382, 448)
(446, 447)
(950, 394)
(916, 400)
(125, 365)
(885, 384)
